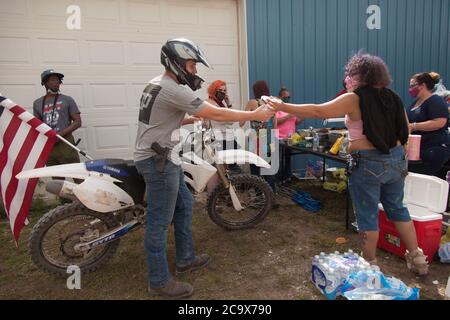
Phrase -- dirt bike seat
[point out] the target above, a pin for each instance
(123, 170)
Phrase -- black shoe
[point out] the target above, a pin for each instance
(199, 262)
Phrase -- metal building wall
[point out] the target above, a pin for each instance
(304, 44)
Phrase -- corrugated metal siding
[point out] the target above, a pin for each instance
(304, 44)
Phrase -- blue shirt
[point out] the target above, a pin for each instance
(434, 107)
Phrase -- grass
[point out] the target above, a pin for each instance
(269, 261)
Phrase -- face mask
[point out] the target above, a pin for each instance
(286, 99)
(414, 92)
(220, 95)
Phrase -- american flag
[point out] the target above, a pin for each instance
(25, 143)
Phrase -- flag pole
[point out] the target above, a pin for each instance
(73, 147)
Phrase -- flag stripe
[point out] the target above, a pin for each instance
(8, 137)
(19, 223)
(21, 158)
(30, 163)
(5, 119)
(12, 152)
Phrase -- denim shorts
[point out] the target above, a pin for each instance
(378, 178)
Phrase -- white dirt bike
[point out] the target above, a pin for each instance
(110, 202)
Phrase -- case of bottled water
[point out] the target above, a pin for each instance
(330, 271)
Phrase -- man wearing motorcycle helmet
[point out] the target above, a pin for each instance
(164, 103)
(59, 112)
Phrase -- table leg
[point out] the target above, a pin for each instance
(323, 170)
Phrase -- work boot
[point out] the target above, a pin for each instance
(174, 289)
(416, 262)
(199, 262)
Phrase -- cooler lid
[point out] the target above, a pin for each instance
(418, 213)
(421, 214)
(426, 192)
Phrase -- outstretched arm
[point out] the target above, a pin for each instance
(345, 104)
(211, 112)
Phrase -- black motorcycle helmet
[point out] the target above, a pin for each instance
(174, 55)
(47, 73)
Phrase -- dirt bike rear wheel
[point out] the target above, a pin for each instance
(255, 196)
(53, 239)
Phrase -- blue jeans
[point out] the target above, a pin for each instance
(376, 178)
(168, 198)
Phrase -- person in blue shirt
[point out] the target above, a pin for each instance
(428, 117)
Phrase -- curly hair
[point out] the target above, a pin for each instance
(371, 70)
(261, 88)
(429, 79)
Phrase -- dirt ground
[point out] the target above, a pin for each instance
(269, 261)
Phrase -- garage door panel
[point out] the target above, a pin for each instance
(43, 10)
(144, 11)
(221, 55)
(144, 53)
(15, 50)
(219, 17)
(22, 94)
(59, 51)
(76, 91)
(112, 137)
(108, 95)
(183, 14)
(103, 11)
(16, 8)
(105, 52)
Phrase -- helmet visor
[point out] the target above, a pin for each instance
(188, 53)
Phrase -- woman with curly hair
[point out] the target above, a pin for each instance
(429, 118)
(378, 131)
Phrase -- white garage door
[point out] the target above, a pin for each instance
(108, 61)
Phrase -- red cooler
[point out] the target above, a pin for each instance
(426, 199)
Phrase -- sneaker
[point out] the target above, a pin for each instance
(199, 262)
(174, 289)
(416, 262)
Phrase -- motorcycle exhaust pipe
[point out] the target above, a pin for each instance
(61, 188)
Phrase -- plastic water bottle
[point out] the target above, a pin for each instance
(316, 142)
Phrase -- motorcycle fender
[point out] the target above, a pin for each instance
(102, 195)
(201, 170)
(240, 157)
(72, 170)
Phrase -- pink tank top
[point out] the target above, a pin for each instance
(355, 129)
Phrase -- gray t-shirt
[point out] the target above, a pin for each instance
(164, 103)
(58, 117)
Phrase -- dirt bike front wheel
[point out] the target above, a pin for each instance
(255, 196)
(53, 240)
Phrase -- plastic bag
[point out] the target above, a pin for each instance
(373, 285)
(440, 90)
(444, 252)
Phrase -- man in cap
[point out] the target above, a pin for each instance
(61, 113)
